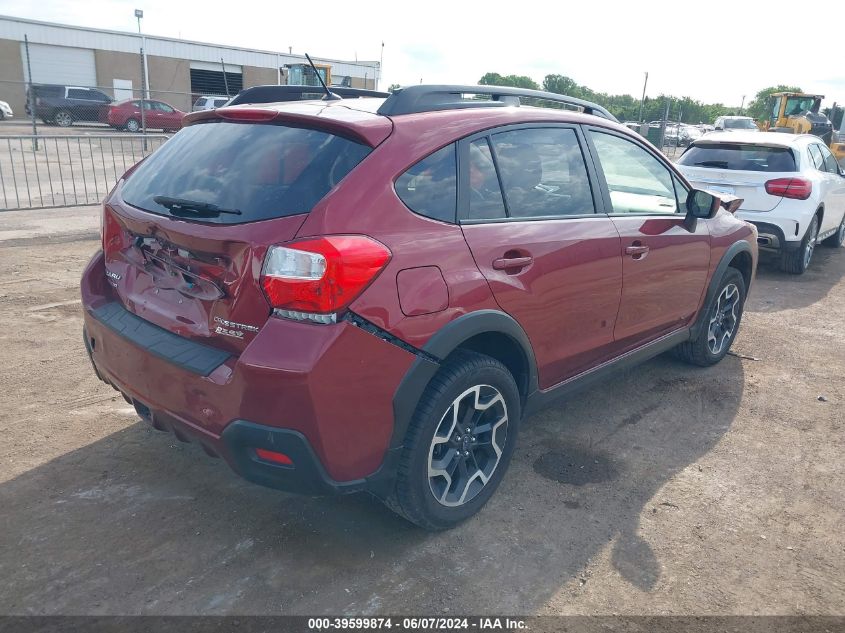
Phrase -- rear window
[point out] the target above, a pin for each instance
(740, 124)
(739, 157)
(262, 171)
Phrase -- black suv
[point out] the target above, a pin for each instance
(64, 105)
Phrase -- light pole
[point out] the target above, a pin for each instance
(145, 78)
(380, 65)
(742, 105)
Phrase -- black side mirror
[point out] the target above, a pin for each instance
(701, 204)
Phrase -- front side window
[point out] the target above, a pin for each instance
(636, 180)
(543, 173)
(430, 187)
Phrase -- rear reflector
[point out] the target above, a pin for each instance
(796, 188)
(321, 275)
(273, 456)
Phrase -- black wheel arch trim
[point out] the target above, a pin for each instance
(439, 346)
(732, 251)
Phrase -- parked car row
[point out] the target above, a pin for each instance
(67, 105)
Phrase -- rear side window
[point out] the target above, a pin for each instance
(739, 157)
(262, 171)
(430, 187)
(543, 173)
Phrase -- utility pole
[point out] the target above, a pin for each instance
(642, 101)
(742, 105)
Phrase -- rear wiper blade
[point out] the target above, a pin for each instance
(713, 163)
(194, 207)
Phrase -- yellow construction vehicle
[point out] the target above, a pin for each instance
(799, 113)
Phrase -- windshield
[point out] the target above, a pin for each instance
(262, 171)
(740, 124)
(739, 157)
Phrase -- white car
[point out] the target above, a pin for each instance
(793, 189)
(209, 103)
(735, 124)
(5, 111)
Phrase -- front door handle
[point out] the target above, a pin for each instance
(637, 251)
(505, 263)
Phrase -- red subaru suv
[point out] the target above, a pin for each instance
(370, 294)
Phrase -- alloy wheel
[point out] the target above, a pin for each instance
(467, 445)
(811, 243)
(132, 125)
(724, 319)
(63, 119)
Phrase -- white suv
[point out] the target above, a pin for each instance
(735, 124)
(209, 103)
(792, 188)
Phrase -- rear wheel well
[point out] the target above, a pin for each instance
(743, 263)
(505, 350)
(820, 214)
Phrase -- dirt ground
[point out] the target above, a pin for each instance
(665, 490)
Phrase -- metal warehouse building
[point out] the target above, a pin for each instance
(177, 71)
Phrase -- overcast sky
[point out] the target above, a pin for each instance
(714, 52)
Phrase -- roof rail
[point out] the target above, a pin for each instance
(273, 94)
(445, 97)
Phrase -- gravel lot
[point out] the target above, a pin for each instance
(668, 489)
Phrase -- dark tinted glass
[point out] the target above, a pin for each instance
(76, 93)
(737, 156)
(430, 186)
(485, 195)
(543, 173)
(265, 171)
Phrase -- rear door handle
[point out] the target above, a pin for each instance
(505, 263)
(636, 251)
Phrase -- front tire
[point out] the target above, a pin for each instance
(796, 262)
(459, 443)
(721, 323)
(837, 239)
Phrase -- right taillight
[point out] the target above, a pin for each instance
(797, 188)
(312, 279)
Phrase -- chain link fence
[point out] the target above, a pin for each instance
(63, 145)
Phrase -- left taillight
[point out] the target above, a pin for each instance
(313, 279)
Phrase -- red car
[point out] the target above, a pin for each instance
(158, 115)
(370, 294)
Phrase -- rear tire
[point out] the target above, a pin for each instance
(63, 118)
(796, 262)
(132, 125)
(446, 474)
(837, 239)
(721, 323)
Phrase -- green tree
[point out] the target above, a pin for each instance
(562, 85)
(759, 106)
(516, 81)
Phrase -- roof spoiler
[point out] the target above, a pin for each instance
(413, 99)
